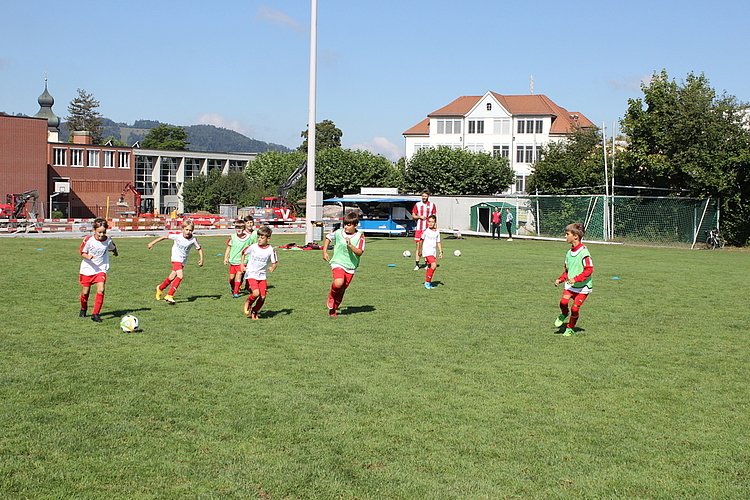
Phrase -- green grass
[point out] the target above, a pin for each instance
(463, 392)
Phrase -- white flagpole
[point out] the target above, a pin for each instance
(311, 201)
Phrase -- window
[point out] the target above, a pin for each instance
(501, 151)
(476, 126)
(520, 184)
(169, 176)
(93, 158)
(489, 106)
(109, 159)
(237, 165)
(192, 167)
(529, 126)
(506, 151)
(527, 153)
(521, 126)
(144, 166)
(449, 126)
(502, 127)
(475, 147)
(59, 155)
(76, 157)
(124, 160)
(215, 164)
(538, 129)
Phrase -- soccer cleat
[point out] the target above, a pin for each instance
(416, 267)
(560, 320)
(246, 308)
(428, 285)
(158, 293)
(254, 315)
(96, 318)
(332, 312)
(235, 295)
(568, 332)
(82, 314)
(169, 298)
(509, 239)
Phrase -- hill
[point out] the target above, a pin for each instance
(201, 137)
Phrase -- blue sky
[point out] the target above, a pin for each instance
(383, 65)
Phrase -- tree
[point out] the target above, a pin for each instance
(343, 171)
(83, 116)
(575, 162)
(448, 171)
(327, 136)
(166, 137)
(686, 137)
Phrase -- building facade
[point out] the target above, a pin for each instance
(512, 126)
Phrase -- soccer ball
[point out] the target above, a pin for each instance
(457, 253)
(129, 323)
(407, 253)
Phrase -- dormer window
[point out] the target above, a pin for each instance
(489, 106)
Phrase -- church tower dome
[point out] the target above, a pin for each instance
(45, 111)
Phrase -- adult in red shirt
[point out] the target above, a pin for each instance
(421, 211)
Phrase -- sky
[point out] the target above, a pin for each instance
(383, 65)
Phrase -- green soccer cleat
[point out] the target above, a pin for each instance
(560, 320)
(568, 332)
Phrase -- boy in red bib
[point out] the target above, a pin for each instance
(348, 247)
(577, 276)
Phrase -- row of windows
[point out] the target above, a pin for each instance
(95, 158)
(144, 167)
(501, 126)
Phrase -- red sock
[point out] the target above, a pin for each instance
(175, 284)
(428, 274)
(98, 302)
(84, 302)
(165, 284)
(236, 289)
(258, 304)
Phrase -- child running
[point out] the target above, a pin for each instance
(261, 257)
(236, 244)
(432, 248)
(95, 250)
(183, 242)
(348, 247)
(577, 276)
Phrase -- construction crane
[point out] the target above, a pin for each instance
(143, 207)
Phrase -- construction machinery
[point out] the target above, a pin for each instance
(278, 208)
(20, 208)
(142, 207)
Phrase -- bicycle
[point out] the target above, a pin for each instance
(714, 239)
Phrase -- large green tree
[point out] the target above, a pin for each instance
(449, 171)
(327, 136)
(685, 137)
(83, 116)
(574, 164)
(166, 136)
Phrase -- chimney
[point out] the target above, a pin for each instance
(82, 137)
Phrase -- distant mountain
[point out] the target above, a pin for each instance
(201, 137)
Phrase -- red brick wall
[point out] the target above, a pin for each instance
(23, 156)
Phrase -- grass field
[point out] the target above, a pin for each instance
(462, 392)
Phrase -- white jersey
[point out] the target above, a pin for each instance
(99, 251)
(258, 260)
(181, 246)
(430, 238)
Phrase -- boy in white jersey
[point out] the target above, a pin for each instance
(348, 247)
(577, 276)
(431, 249)
(94, 266)
(256, 260)
(420, 212)
(236, 244)
(183, 242)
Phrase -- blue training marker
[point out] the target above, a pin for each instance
(615, 278)
(391, 265)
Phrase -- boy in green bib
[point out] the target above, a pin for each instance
(577, 276)
(348, 247)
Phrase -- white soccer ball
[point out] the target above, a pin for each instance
(407, 253)
(457, 253)
(129, 323)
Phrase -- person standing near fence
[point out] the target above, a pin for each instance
(496, 215)
(420, 212)
(509, 223)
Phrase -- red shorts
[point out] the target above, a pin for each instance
(177, 266)
(430, 259)
(339, 273)
(261, 285)
(235, 268)
(88, 280)
(418, 234)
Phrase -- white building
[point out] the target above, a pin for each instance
(513, 126)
